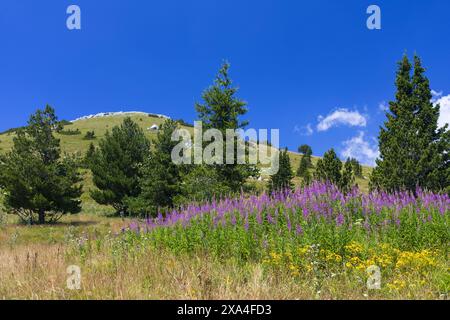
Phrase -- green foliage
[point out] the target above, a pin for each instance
(39, 186)
(348, 177)
(202, 184)
(181, 122)
(90, 135)
(69, 132)
(116, 165)
(64, 123)
(357, 167)
(305, 164)
(414, 151)
(329, 168)
(221, 110)
(160, 178)
(89, 156)
(282, 180)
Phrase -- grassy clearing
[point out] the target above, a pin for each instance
(77, 145)
(206, 259)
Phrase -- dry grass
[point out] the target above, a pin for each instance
(38, 271)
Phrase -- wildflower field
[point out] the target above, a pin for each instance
(314, 235)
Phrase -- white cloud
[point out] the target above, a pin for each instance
(341, 117)
(444, 118)
(304, 131)
(364, 151)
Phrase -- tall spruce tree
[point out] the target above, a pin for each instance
(433, 143)
(282, 180)
(329, 168)
(38, 185)
(222, 110)
(116, 164)
(160, 180)
(357, 168)
(348, 177)
(306, 151)
(305, 163)
(413, 150)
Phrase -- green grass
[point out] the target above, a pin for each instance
(100, 125)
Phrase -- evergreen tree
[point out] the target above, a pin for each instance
(201, 184)
(348, 178)
(90, 153)
(116, 165)
(357, 168)
(432, 142)
(305, 164)
(282, 180)
(39, 185)
(329, 168)
(306, 150)
(413, 151)
(222, 110)
(160, 180)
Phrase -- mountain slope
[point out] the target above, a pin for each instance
(103, 122)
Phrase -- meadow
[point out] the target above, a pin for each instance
(314, 243)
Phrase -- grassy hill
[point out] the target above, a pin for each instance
(100, 125)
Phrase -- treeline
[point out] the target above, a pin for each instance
(138, 177)
(414, 151)
(130, 173)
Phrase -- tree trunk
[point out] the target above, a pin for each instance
(41, 216)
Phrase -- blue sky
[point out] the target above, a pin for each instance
(310, 68)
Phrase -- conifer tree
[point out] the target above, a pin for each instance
(160, 180)
(413, 150)
(329, 168)
(306, 151)
(222, 110)
(116, 165)
(38, 185)
(282, 180)
(305, 164)
(348, 177)
(356, 166)
(90, 153)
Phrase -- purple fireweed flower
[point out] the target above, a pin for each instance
(305, 213)
(299, 230)
(340, 219)
(233, 220)
(270, 219)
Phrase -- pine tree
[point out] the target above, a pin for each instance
(432, 143)
(221, 110)
(413, 151)
(305, 164)
(306, 151)
(282, 180)
(303, 167)
(90, 153)
(329, 168)
(160, 180)
(39, 185)
(348, 177)
(116, 165)
(357, 168)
